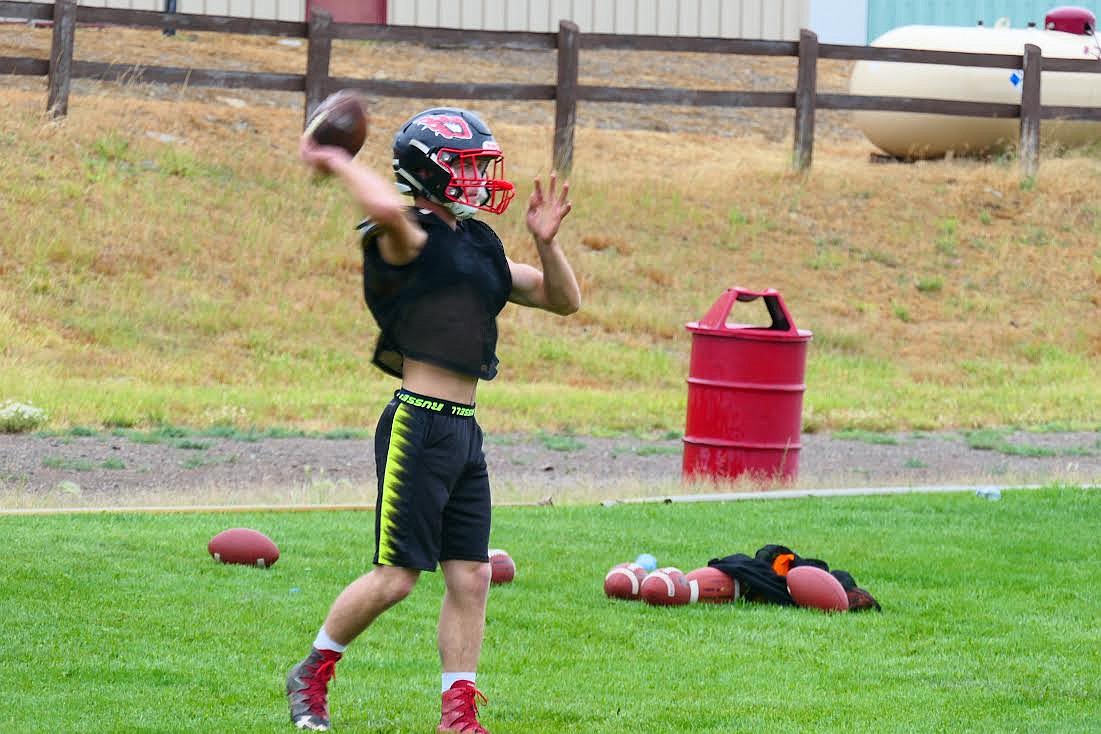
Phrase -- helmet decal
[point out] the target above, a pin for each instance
(452, 127)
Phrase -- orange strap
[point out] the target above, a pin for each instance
(782, 562)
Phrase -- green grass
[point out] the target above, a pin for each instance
(55, 462)
(563, 443)
(871, 437)
(996, 440)
(657, 450)
(122, 622)
(189, 438)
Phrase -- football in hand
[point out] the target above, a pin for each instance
(340, 121)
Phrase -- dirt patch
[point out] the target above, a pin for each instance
(69, 471)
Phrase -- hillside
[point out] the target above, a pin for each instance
(166, 259)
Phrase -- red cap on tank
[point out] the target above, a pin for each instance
(1071, 19)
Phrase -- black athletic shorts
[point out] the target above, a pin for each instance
(433, 488)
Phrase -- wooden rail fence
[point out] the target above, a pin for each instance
(320, 31)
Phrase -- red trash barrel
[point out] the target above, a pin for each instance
(745, 392)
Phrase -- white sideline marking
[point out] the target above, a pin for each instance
(787, 494)
(174, 509)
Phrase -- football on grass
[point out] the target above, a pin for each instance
(714, 586)
(502, 566)
(341, 121)
(243, 546)
(668, 587)
(812, 587)
(624, 581)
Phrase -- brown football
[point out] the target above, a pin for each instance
(340, 120)
(668, 587)
(810, 586)
(714, 586)
(624, 581)
(503, 568)
(245, 546)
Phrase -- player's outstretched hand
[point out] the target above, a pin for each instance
(547, 210)
(320, 157)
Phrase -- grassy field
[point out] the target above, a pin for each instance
(123, 622)
(166, 260)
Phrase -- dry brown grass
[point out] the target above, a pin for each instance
(941, 270)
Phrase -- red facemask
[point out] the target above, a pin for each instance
(477, 179)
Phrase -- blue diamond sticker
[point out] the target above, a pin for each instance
(1015, 78)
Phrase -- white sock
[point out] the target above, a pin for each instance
(448, 679)
(324, 642)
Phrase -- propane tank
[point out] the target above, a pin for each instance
(1068, 33)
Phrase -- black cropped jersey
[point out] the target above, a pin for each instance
(442, 307)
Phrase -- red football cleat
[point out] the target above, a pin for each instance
(460, 709)
(308, 690)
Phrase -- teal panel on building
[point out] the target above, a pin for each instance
(883, 15)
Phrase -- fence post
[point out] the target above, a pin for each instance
(61, 58)
(565, 96)
(806, 89)
(1030, 111)
(317, 58)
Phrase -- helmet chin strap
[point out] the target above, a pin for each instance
(461, 211)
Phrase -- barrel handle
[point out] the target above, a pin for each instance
(716, 316)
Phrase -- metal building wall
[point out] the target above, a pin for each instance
(293, 10)
(768, 19)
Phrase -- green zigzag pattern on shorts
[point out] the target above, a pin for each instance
(392, 483)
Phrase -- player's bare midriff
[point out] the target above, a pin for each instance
(437, 382)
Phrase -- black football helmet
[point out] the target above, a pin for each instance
(449, 156)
